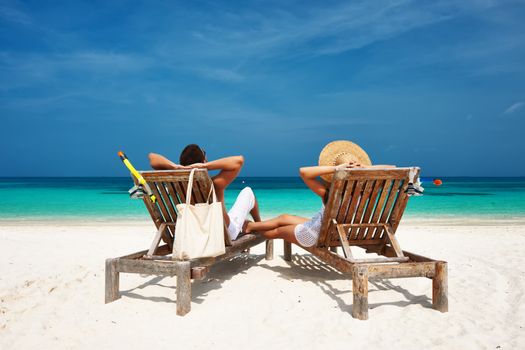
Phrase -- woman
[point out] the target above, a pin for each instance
(303, 231)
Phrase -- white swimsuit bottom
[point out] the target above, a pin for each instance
(307, 233)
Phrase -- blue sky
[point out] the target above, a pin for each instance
(439, 84)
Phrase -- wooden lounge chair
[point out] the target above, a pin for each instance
(364, 210)
(169, 187)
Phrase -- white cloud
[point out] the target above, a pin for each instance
(514, 107)
(320, 30)
(13, 15)
(225, 75)
(237, 38)
(26, 69)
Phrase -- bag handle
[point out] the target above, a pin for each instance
(190, 187)
(212, 190)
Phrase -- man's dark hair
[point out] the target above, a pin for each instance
(192, 154)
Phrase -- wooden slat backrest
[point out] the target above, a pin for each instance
(169, 186)
(367, 199)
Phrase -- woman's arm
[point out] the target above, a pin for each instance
(310, 174)
(229, 167)
(159, 162)
(228, 163)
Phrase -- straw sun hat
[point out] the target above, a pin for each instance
(340, 152)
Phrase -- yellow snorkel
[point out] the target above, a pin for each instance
(137, 175)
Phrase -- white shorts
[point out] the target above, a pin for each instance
(307, 233)
(241, 208)
(305, 236)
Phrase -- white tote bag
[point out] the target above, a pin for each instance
(199, 231)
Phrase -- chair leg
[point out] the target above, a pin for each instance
(360, 291)
(287, 251)
(269, 249)
(112, 281)
(440, 287)
(183, 287)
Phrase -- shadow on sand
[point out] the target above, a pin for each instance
(219, 273)
(303, 267)
(310, 268)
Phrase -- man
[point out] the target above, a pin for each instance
(192, 156)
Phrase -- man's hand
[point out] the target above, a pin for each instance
(349, 165)
(196, 166)
(180, 167)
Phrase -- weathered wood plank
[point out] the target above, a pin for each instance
(183, 287)
(393, 241)
(356, 196)
(401, 206)
(112, 282)
(240, 244)
(148, 267)
(331, 209)
(133, 263)
(199, 198)
(380, 260)
(167, 201)
(184, 187)
(388, 207)
(180, 191)
(227, 239)
(378, 184)
(360, 292)
(378, 208)
(162, 250)
(347, 193)
(269, 249)
(156, 239)
(359, 243)
(170, 175)
(402, 270)
(363, 201)
(173, 194)
(344, 242)
(394, 270)
(156, 216)
(166, 217)
(199, 272)
(365, 174)
(389, 251)
(160, 204)
(416, 257)
(362, 225)
(440, 287)
(338, 262)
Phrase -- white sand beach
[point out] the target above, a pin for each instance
(52, 295)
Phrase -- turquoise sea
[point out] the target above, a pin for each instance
(107, 199)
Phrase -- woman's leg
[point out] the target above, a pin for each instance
(244, 204)
(285, 232)
(281, 220)
(255, 211)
